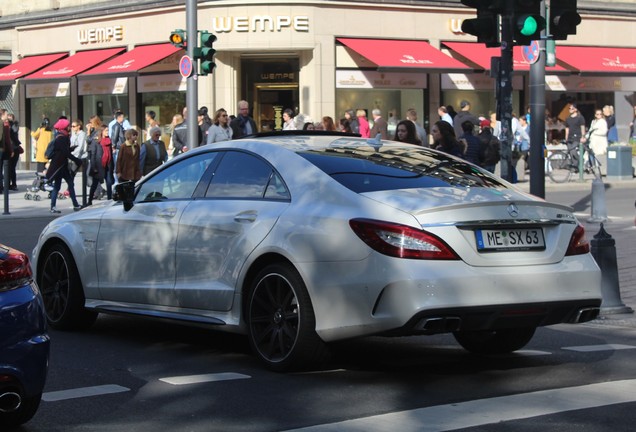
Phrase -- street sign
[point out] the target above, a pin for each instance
(530, 53)
(185, 66)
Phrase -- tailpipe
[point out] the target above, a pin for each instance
(435, 325)
(10, 401)
(585, 314)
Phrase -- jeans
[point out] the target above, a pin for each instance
(573, 150)
(57, 184)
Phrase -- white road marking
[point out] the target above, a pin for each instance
(593, 348)
(489, 411)
(83, 392)
(195, 379)
(532, 352)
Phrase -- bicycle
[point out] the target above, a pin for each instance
(561, 166)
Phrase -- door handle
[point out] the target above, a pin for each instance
(248, 216)
(168, 213)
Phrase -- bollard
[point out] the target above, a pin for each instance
(599, 209)
(604, 252)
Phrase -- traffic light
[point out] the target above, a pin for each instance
(527, 21)
(178, 38)
(563, 19)
(486, 25)
(206, 53)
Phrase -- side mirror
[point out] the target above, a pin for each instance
(125, 192)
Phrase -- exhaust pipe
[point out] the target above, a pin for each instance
(10, 401)
(585, 314)
(439, 325)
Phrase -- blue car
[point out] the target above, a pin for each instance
(24, 341)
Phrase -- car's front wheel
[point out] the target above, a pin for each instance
(62, 291)
(495, 341)
(281, 320)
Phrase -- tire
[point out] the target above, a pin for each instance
(281, 321)
(62, 290)
(495, 341)
(559, 168)
(23, 414)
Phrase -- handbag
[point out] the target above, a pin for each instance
(72, 167)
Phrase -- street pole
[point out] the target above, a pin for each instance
(192, 103)
(537, 117)
(504, 104)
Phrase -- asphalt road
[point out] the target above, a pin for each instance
(138, 375)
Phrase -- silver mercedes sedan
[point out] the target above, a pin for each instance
(298, 240)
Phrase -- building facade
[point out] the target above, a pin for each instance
(318, 58)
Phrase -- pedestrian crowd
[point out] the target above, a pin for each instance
(115, 152)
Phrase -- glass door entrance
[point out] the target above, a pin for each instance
(270, 102)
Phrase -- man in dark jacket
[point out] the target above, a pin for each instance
(6, 146)
(243, 124)
(180, 135)
(462, 116)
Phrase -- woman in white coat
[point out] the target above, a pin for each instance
(598, 133)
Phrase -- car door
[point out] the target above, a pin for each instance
(219, 231)
(136, 248)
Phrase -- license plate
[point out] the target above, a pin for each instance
(513, 239)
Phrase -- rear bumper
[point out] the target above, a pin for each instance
(378, 296)
(500, 317)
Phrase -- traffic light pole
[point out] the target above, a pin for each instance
(192, 85)
(504, 103)
(537, 118)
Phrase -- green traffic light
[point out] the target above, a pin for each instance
(529, 26)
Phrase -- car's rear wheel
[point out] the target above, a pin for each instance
(62, 291)
(495, 341)
(281, 320)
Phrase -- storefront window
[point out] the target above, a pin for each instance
(392, 103)
(39, 108)
(165, 105)
(103, 105)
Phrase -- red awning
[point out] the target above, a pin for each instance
(134, 60)
(403, 54)
(605, 60)
(75, 64)
(12, 72)
(480, 55)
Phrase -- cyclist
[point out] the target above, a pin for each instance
(574, 133)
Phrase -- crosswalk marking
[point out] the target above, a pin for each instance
(195, 379)
(604, 347)
(489, 411)
(83, 392)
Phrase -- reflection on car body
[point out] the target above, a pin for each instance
(301, 240)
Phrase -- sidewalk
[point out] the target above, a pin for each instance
(19, 207)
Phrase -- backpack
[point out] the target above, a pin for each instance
(50, 150)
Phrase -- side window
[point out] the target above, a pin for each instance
(240, 175)
(178, 181)
(276, 189)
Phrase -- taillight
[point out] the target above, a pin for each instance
(578, 242)
(14, 266)
(401, 241)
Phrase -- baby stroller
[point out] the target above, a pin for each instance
(40, 183)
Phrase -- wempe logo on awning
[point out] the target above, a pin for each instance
(617, 63)
(408, 59)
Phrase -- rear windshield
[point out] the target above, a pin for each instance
(369, 169)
